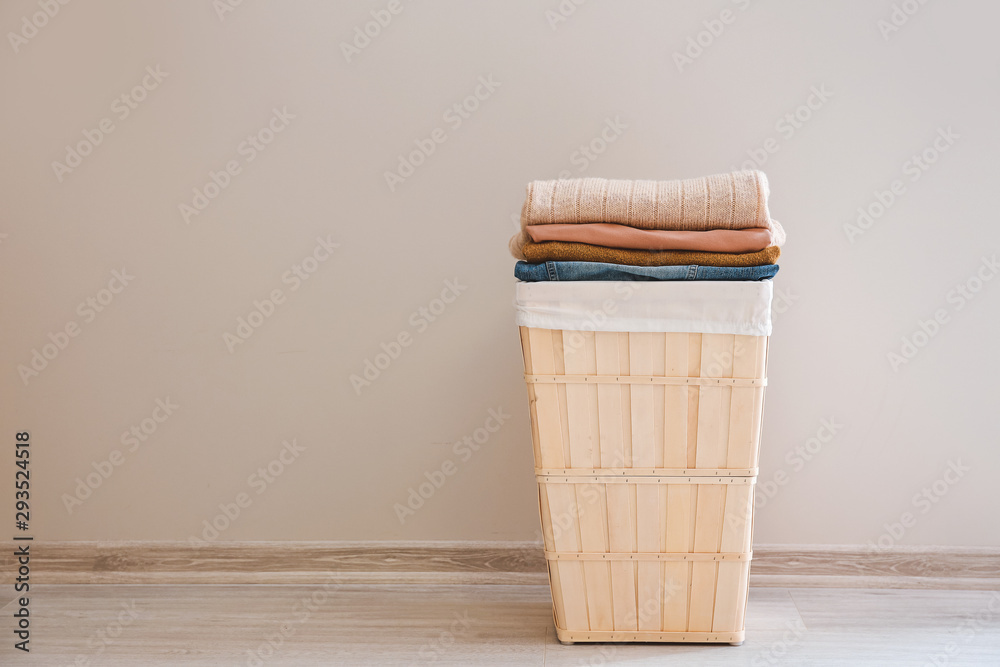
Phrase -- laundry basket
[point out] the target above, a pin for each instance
(646, 403)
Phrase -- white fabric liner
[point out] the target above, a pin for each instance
(684, 306)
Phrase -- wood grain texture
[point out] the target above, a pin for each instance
(471, 562)
(394, 625)
(602, 399)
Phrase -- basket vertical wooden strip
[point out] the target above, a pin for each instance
(559, 359)
(661, 492)
(648, 541)
(707, 532)
(744, 583)
(593, 513)
(694, 370)
(647, 496)
(641, 363)
(609, 399)
(566, 537)
(713, 402)
(581, 358)
(545, 510)
(590, 344)
(559, 601)
(658, 360)
(532, 397)
(716, 349)
(735, 539)
(758, 403)
(547, 408)
(675, 414)
(679, 539)
(626, 369)
(578, 362)
(621, 539)
(676, 577)
(548, 540)
(742, 452)
(743, 592)
(726, 397)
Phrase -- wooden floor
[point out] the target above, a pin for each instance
(355, 624)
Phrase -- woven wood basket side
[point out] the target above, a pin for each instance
(668, 401)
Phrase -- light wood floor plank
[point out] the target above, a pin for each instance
(351, 624)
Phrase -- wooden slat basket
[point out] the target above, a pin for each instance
(646, 448)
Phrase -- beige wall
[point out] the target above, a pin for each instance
(609, 69)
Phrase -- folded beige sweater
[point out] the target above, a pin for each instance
(724, 201)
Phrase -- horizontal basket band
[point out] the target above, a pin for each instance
(645, 379)
(641, 479)
(647, 636)
(647, 472)
(673, 556)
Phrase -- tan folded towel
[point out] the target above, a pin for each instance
(557, 251)
(725, 201)
(623, 236)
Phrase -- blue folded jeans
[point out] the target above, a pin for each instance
(533, 273)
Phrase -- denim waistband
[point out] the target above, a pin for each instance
(562, 271)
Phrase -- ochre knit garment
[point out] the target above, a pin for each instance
(623, 236)
(557, 251)
(724, 201)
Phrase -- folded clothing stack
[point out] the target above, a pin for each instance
(711, 228)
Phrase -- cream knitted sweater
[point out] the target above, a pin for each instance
(724, 201)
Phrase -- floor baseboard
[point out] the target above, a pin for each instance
(470, 562)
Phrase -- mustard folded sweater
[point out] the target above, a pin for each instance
(557, 251)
